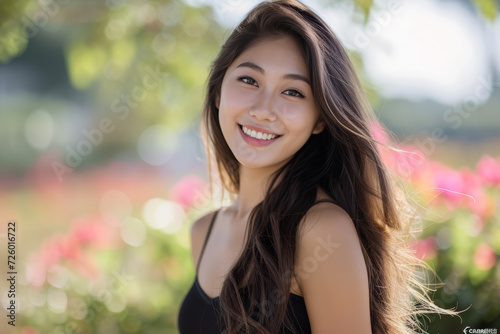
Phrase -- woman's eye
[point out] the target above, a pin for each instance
(248, 80)
(293, 92)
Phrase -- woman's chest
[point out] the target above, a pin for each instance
(222, 251)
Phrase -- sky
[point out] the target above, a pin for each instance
(424, 49)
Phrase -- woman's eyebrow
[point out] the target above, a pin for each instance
(291, 76)
(252, 66)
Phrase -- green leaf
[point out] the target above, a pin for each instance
(365, 5)
(488, 8)
(85, 63)
(13, 42)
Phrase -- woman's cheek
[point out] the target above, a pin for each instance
(289, 111)
(238, 98)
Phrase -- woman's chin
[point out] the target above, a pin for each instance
(257, 163)
(252, 164)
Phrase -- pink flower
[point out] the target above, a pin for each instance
(461, 188)
(425, 249)
(55, 247)
(71, 250)
(379, 132)
(410, 163)
(92, 232)
(36, 270)
(449, 182)
(484, 257)
(489, 170)
(188, 190)
(87, 266)
(478, 201)
(29, 330)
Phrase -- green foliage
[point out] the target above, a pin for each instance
(13, 37)
(488, 8)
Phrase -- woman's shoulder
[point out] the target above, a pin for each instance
(201, 224)
(331, 270)
(326, 217)
(198, 232)
(329, 227)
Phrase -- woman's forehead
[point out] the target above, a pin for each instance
(282, 54)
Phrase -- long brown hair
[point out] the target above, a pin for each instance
(343, 160)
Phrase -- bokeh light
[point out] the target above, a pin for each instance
(57, 300)
(156, 144)
(133, 232)
(164, 215)
(39, 129)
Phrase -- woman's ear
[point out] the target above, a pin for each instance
(320, 126)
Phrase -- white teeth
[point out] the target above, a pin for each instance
(258, 135)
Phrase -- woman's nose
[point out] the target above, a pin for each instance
(264, 107)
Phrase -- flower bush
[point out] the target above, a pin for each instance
(127, 273)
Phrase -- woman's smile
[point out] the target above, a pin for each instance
(255, 138)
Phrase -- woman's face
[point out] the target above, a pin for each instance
(266, 106)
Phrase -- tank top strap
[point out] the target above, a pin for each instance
(206, 239)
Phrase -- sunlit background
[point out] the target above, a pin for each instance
(102, 166)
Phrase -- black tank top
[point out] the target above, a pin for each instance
(200, 314)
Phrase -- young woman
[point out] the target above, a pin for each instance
(314, 241)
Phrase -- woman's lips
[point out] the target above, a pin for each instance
(255, 141)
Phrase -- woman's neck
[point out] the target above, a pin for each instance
(253, 185)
